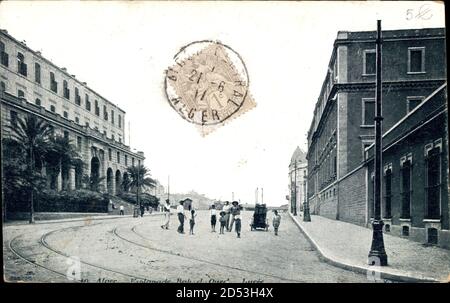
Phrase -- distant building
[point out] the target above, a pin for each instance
(297, 183)
(31, 84)
(342, 129)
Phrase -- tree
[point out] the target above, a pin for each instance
(92, 182)
(61, 155)
(139, 177)
(32, 136)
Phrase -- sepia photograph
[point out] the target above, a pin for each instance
(223, 142)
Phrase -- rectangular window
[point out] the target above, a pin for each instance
(20, 93)
(109, 154)
(66, 90)
(112, 116)
(38, 102)
(112, 137)
(4, 56)
(88, 103)
(126, 160)
(52, 108)
(369, 62)
(433, 189)
(368, 112)
(118, 157)
(79, 142)
(77, 120)
(132, 161)
(66, 114)
(406, 189)
(21, 66)
(3, 86)
(66, 134)
(97, 109)
(13, 118)
(413, 102)
(77, 96)
(53, 83)
(105, 113)
(388, 193)
(416, 59)
(120, 121)
(37, 73)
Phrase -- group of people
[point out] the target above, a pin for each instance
(229, 215)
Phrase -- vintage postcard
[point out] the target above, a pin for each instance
(224, 142)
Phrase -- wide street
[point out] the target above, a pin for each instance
(138, 250)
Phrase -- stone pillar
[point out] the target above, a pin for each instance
(59, 181)
(113, 184)
(71, 183)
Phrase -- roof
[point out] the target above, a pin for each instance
(298, 155)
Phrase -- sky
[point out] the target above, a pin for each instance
(122, 48)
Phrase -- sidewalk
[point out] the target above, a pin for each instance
(347, 246)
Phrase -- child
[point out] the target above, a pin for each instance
(276, 221)
(223, 221)
(192, 221)
(213, 218)
(237, 224)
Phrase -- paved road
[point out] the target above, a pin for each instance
(138, 250)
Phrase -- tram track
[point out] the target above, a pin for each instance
(133, 229)
(42, 242)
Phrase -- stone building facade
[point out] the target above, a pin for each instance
(297, 184)
(414, 66)
(31, 84)
(415, 202)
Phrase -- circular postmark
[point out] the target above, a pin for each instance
(208, 82)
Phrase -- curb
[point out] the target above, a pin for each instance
(359, 269)
(25, 222)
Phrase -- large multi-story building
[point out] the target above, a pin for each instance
(297, 184)
(31, 84)
(342, 129)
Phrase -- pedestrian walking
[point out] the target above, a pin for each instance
(237, 220)
(276, 221)
(213, 218)
(121, 210)
(166, 209)
(223, 222)
(192, 221)
(226, 209)
(181, 217)
(142, 208)
(234, 211)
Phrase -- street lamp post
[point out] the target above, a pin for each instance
(295, 188)
(377, 254)
(306, 215)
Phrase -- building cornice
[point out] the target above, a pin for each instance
(47, 61)
(370, 86)
(58, 120)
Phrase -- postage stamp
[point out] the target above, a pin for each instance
(208, 85)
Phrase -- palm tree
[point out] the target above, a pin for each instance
(139, 177)
(32, 134)
(61, 155)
